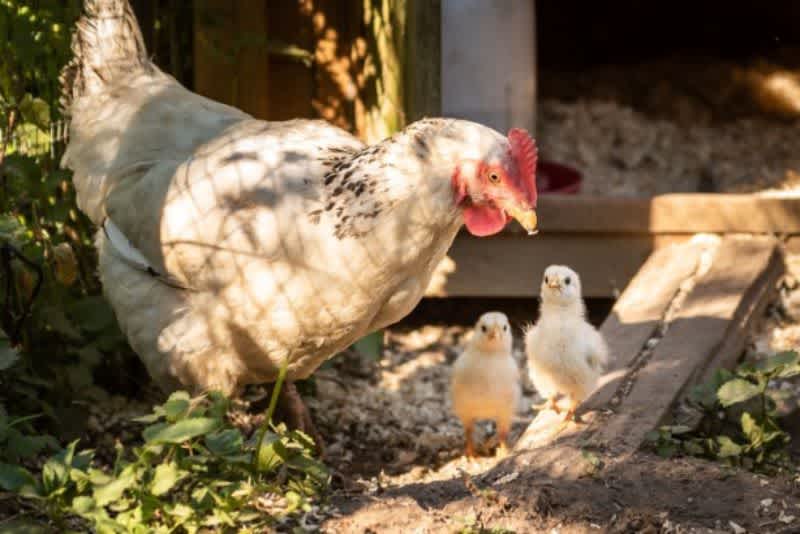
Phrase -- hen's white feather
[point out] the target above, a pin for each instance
(295, 237)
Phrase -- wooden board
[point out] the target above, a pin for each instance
(668, 214)
(511, 266)
(640, 310)
(708, 328)
(741, 268)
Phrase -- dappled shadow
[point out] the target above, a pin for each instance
(285, 240)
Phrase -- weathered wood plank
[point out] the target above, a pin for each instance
(754, 303)
(673, 213)
(741, 268)
(641, 308)
(511, 266)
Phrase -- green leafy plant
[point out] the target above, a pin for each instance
(194, 470)
(740, 425)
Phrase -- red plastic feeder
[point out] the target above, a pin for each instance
(557, 178)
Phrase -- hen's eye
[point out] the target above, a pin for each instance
(483, 328)
(494, 177)
(566, 280)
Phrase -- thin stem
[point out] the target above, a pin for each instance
(273, 402)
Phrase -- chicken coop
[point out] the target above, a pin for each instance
(654, 122)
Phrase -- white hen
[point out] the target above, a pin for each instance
(231, 245)
(566, 354)
(485, 380)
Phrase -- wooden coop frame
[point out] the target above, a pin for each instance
(607, 239)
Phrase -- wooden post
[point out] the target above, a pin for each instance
(404, 40)
(230, 66)
(424, 64)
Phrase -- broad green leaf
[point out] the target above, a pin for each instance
(267, 455)
(788, 361)
(55, 475)
(227, 442)
(176, 406)
(147, 419)
(82, 505)
(727, 447)
(14, 477)
(114, 490)
(751, 429)
(184, 430)
(165, 478)
(735, 391)
(151, 430)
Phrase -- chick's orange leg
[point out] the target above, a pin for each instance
(503, 429)
(572, 405)
(548, 404)
(469, 447)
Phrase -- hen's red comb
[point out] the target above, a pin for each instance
(523, 150)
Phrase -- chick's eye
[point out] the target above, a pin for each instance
(494, 177)
(546, 281)
(567, 280)
(505, 328)
(483, 328)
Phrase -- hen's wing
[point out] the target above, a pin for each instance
(246, 194)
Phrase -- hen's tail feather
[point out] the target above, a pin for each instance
(106, 44)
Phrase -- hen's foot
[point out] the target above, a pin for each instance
(293, 411)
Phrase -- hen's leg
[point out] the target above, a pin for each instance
(293, 411)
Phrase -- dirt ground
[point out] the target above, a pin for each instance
(396, 448)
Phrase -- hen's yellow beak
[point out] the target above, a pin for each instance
(525, 217)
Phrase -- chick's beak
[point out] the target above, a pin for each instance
(493, 333)
(524, 216)
(554, 284)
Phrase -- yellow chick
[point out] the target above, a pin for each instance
(566, 354)
(485, 380)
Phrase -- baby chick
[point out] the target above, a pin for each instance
(566, 355)
(485, 380)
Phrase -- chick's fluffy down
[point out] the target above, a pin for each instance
(485, 380)
(566, 355)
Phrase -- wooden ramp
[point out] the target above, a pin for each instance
(686, 312)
